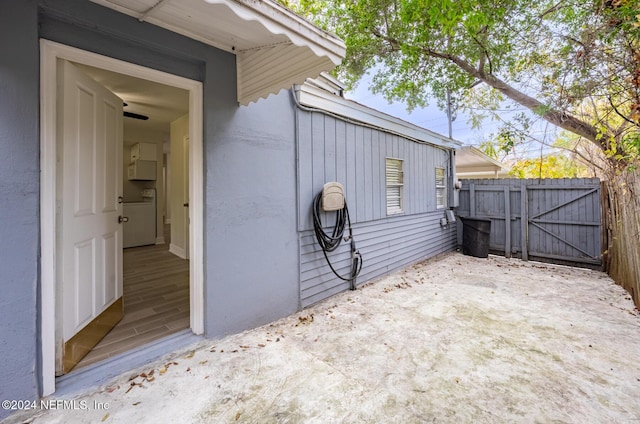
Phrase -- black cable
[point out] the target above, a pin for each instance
(329, 243)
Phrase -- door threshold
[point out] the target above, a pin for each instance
(99, 373)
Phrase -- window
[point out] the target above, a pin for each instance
(394, 180)
(441, 188)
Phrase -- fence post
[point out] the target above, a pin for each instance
(472, 200)
(507, 222)
(524, 221)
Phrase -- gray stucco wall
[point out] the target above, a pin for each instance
(19, 194)
(331, 149)
(251, 270)
(251, 251)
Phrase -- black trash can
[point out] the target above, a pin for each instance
(475, 237)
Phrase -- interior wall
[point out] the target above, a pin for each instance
(179, 129)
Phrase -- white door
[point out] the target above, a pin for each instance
(89, 234)
(187, 221)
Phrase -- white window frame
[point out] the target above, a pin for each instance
(394, 186)
(441, 188)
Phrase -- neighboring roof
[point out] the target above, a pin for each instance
(473, 163)
(324, 94)
(275, 48)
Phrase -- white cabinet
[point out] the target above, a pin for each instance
(144, 151)
(142, 170)
(143, 162)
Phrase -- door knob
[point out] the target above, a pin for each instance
(186, 205)
(122, 219)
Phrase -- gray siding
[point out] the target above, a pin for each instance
(331, 149)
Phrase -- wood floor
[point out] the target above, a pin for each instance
(156, 301)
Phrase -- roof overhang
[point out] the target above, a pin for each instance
(313, 94)
(472, 161)
(274, 47)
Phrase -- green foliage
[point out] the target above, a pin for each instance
(550, 166)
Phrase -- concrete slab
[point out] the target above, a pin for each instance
(459, 339)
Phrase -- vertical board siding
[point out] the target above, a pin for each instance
(331, 149)
(561, 219)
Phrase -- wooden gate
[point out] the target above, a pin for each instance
(550, 220)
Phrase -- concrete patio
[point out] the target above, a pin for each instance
(457, 339)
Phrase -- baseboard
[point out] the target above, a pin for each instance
(160, 240)
(178, 251)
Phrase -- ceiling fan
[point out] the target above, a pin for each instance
(133, 115)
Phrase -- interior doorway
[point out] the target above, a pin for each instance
(144, 90)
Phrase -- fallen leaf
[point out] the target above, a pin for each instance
(188, 369)
(162, 370)
(150, 378)
(261, 344)
(244, 347)
(203, 362)
(238, 415)
(136, 404)
(190, 354)
(133, 377)
(143, 375)
(105, 417)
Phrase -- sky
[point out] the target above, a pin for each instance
(430, 117)
(436, 120)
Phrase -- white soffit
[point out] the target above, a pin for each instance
(471, 159)
(309, 95)
(274, 47)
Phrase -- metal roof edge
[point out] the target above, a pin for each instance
(279, 20)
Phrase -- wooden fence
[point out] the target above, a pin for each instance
(621, 208)
(550, 220)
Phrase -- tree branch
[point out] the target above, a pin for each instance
(615, 109)
(558, 118)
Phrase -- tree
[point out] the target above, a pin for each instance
(574, 63)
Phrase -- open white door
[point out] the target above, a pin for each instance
(185, 173)
(89, 214)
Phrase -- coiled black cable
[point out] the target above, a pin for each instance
(329, 243)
